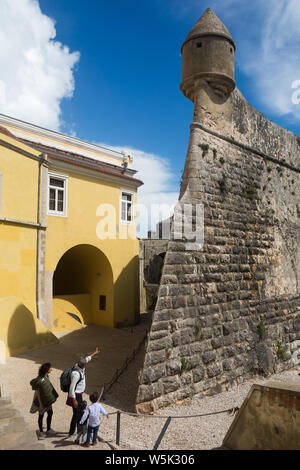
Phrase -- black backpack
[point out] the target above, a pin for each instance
(65, 378)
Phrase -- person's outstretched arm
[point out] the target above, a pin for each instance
(90, 357)
(102, 411)
(94, 353)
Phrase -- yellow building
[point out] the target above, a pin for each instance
(68, 244)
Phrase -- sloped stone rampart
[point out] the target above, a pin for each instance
(230, 310)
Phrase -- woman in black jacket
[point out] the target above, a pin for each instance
(44, 398)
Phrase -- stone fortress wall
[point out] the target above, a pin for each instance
(230, 310)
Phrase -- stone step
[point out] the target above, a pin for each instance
(37, 446)
(19, 441)
(9, 440)
(14, 431)
(16, 435)
(8, 412)
(14, 425)
(29, 440)
(4, 401)
(3, 423)
(31, 446)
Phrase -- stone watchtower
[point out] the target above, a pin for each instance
(207, 75)
(208, 58)
(227, 309)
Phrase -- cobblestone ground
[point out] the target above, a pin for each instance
(136, 432)
(114, 344)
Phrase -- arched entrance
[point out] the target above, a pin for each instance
(82, 289)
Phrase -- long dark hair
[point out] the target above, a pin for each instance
(44, 369)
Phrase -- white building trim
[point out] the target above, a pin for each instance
(73, 168)
(62, 138)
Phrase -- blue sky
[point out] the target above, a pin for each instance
(109, 72)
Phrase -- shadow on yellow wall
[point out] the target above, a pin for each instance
(20, 331)
(69, 311)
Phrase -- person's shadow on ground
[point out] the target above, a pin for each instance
(64, 442)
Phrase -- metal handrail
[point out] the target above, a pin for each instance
(119, 372)
(167, 423)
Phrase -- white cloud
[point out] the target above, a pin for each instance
(274, 64)
(36, 72)
(161, 186)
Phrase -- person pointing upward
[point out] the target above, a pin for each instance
(77, 388)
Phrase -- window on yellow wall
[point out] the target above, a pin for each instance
(126, 207)
(102, 302)
(57, 195)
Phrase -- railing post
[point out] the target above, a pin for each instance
(118, 428)
(163, 431)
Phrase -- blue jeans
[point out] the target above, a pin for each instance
(89, 433)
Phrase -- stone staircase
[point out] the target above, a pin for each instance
(14, 431)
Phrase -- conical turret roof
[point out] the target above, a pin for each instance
(209, 25)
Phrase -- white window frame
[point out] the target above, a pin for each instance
(132, 193)
(63, 177)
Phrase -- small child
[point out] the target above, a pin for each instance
(81, 428)
(93, 413)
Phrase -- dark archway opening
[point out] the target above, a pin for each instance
(152, 275)
(72, 274)
(82, 279)
(153, 271)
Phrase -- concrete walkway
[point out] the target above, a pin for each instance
(115, 346)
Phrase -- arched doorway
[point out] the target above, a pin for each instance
(82, 289)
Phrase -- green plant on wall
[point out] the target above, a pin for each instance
(250, 192)
(184, 364)
(215, 153)
(281, 352)
(205, 148)
(223, 184)
(261, 331)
